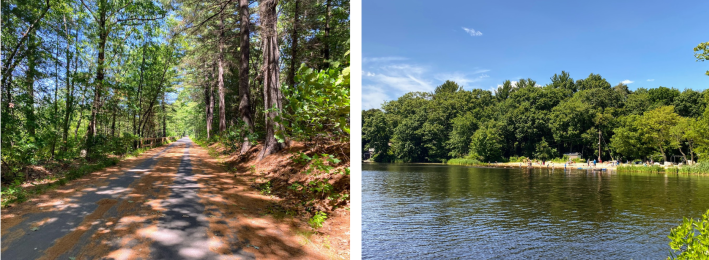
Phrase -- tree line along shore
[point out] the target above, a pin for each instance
(521, 119)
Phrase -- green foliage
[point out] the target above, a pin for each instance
(702, 53)
(700, 168)
(487, 143)
(464, 161)
(663, 96)
(525, 119)
(318, 106)
(690, 240)
(317, 220)
(265, 188)
(376, 133)
(13, 193)
(643, 169)
(234, 136)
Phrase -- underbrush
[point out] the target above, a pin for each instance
(15, 193)
(59, 174)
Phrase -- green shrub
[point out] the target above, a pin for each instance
(690, 240)
(318, 107)
(317, 220)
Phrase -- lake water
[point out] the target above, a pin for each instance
(414, 211)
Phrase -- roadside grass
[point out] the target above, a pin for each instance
(15, 193)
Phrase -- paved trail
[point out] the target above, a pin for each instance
(159, 208)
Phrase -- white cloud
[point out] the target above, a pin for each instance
(388, 78)
(514, 85)
(627, 81)
(651, 80)
(461, 78)
(382, 59)
(403, 77)
(472, 32)
(373, 96)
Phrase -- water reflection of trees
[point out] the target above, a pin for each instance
(531, 195)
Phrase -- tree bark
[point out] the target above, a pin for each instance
(113, 122)
(55, 116)
(70, 89)
(271, 71)
(244, 91)
(294, 46)
(164, 116)
(220, 60)
(208, 102)
(103, 36)
(327, 34)
(31, 72)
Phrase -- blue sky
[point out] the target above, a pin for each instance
(417, 45)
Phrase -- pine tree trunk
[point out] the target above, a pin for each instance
(327, 34)
(209, 105)
(271, 84)
(294, 46)
(220, 60)
(244, 91)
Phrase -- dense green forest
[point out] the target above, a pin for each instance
(85, 81)
(523, 118)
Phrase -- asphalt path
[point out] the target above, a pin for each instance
(181, 227)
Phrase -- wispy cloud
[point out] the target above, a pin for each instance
(382, 59)
(651, 80)
(461, 78)
(627, 81)
(387, 78)
(472, 32)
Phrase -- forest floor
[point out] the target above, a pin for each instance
(173, 202)
(279, 171)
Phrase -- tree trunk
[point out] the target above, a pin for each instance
(113, 122)
(327, 34)
(244, 91)
(31, 72)
(294, 46)
(220, 60)
(55, 116)
(271, 84)
(70, 91)
(691, 149)
(164, 117)
(209, 103)
(103, 35)
(684, 156)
